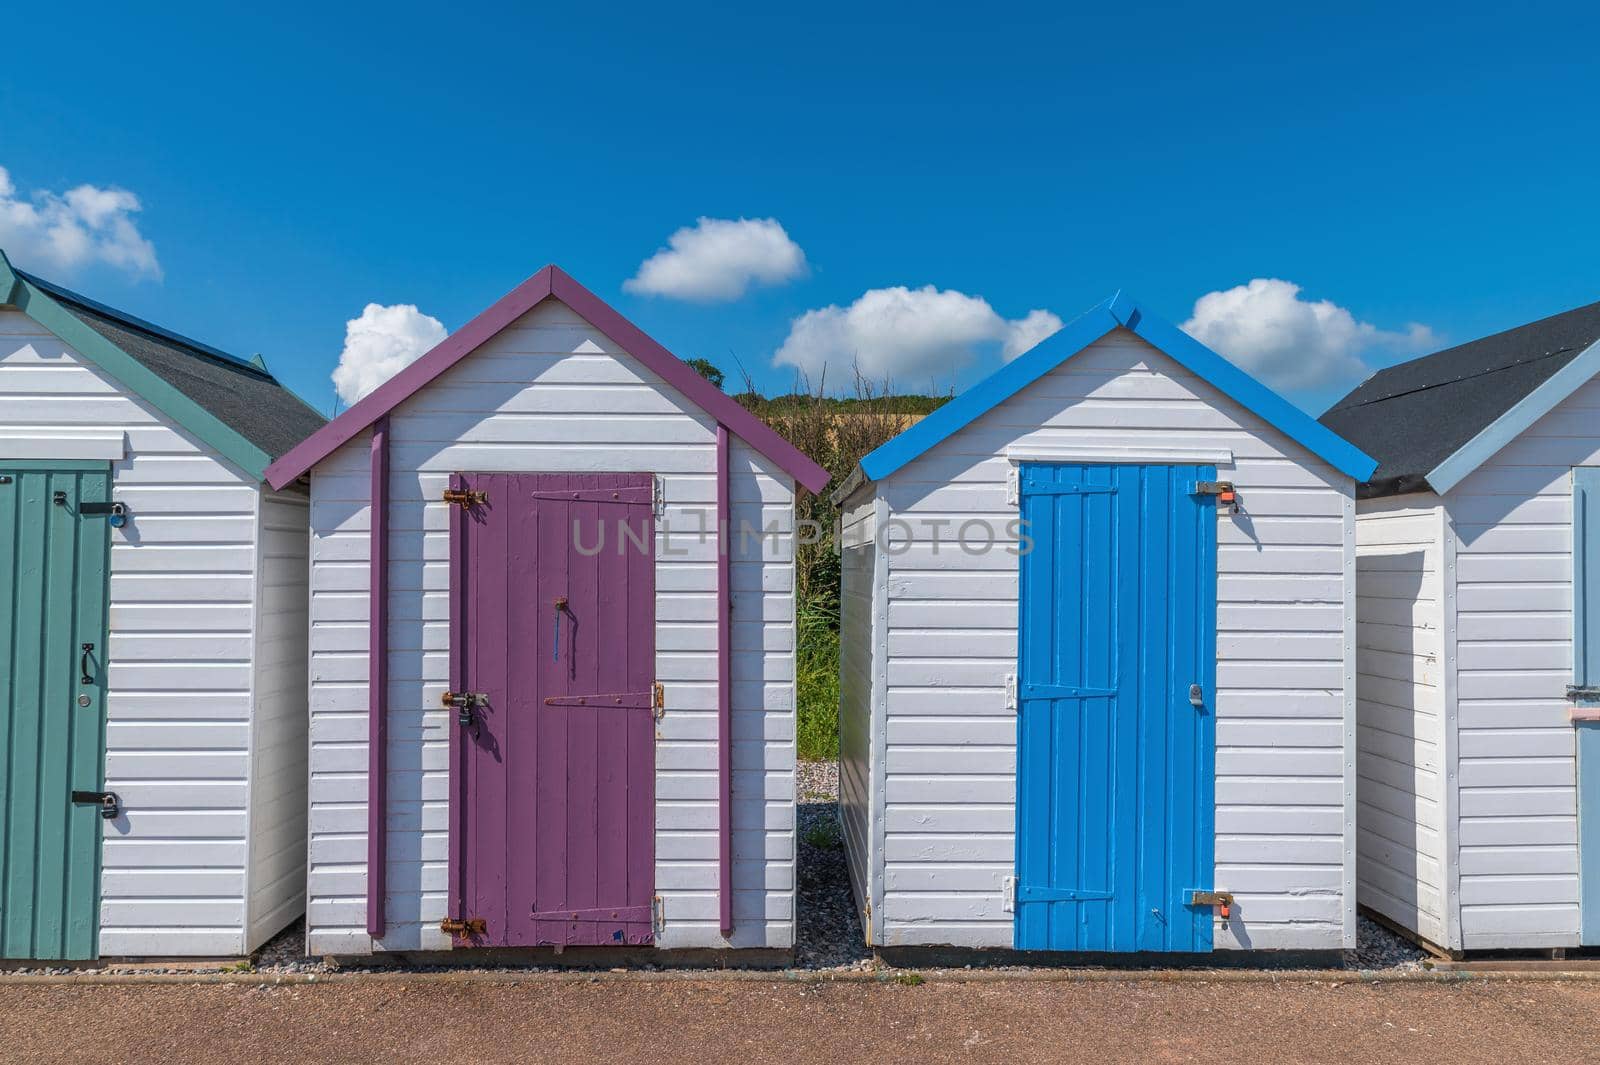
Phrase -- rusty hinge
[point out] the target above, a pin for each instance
(467, 926)
(465, 498)
(658, 700)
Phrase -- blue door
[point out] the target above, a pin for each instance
(1586, 679)
(1115, 760)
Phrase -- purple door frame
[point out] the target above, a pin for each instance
(552, 791)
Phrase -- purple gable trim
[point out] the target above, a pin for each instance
(551, 281)
(724, 688)
(378, 683)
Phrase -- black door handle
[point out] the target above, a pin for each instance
(83, 665)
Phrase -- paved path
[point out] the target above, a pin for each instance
(834, 1023)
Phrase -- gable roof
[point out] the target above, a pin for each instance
(549, 283)
(1120, 311)
(237, 408)
(1433, 420)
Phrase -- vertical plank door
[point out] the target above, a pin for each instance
(1586, 694)
(53, 591)
(553, 782)
(1115, 762)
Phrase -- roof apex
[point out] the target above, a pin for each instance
(1120, 310)
(549, 282)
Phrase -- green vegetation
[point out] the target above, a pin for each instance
(835, 433)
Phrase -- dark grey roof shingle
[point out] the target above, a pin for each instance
(1413, 416)
(242, 395)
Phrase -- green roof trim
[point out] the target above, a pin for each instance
(23, 295)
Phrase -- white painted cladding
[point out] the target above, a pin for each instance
(186, 723)
(1510, 526)
(551, 393)
(1401, 704)
(1494, 657)
(1285, 780)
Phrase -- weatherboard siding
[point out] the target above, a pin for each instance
(1285, 732)
(278, 738)
(1518, 837)
(552, 393)
(1401, 713)
(859, 579)
(179, 664)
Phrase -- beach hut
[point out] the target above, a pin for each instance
(1478, 559)
(548, 709)
(152, 638)
(1097, 659)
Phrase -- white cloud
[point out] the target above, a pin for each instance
(381, 343)
(64, 232)
(897, 333)
(717, 259)
(1267, 328)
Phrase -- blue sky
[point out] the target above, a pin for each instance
(1422, 176)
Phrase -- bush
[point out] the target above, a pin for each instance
(834, 433)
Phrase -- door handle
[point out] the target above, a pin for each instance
(83, 665)
(1197, 698)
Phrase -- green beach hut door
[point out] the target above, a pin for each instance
(53, 592)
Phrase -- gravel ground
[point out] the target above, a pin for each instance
(703, 1022)
(829, 934)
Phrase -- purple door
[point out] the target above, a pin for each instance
(552, 645)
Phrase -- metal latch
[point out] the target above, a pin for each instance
(464, 926)
(464, 703)
(1583, 691)
(465, 498)
(110, 805)
(1221, 900)
(1197, 697)
(1224, 491)
(116, 513)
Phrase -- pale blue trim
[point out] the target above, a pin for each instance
(1120, 310)
(1514, 422)
(1588, 744)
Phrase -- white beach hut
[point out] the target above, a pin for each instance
(152, 638)
(1478, 553)
(1098, 659)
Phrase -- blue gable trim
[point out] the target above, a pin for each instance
(1078, 334)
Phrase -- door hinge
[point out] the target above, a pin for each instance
(1576, 692)
(1014, 485)
(1011, 691)
(658, 701)
(1008, 901)
(110, 805)
(658, 913)
(465, 498)
(1222, 901)
(464, 926)
(658, 495)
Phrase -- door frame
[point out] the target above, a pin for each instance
(101, 632)
(1185, 475)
